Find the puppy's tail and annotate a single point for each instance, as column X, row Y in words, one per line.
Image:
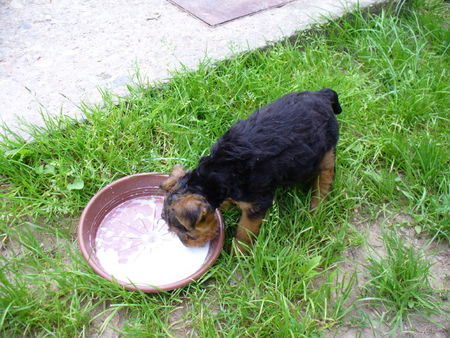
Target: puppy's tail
column 333, row 97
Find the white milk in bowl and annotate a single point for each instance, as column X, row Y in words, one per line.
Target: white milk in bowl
column 134, row 245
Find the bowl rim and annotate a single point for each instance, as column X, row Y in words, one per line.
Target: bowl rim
column 82, row 224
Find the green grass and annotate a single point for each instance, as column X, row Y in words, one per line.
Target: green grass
column 400, row 280
column 390, row 70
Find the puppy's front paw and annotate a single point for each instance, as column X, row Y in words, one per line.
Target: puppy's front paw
column 314, row 203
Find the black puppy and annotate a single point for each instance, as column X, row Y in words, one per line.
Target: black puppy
column 289, row 141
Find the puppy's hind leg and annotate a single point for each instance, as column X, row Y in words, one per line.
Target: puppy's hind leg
column 324, row 180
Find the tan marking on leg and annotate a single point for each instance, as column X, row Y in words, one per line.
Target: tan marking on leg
column 324, row 180
column 248, row 227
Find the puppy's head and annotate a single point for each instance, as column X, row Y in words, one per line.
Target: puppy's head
column 187, row 214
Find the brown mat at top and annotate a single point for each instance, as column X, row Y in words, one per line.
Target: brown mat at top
column 215, row 12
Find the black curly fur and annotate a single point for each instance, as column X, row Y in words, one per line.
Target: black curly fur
column 281, row 143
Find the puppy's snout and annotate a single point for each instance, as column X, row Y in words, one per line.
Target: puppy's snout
column 194, row 242
column 164, row 214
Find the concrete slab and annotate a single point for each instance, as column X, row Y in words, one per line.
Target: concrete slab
column 54, row 54
column 215, row 12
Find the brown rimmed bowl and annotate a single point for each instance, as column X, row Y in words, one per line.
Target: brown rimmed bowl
column 114, row 194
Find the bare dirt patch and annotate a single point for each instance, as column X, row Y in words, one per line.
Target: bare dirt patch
column 367, row 321
column 182, row 318
column 179, row 323
column 108, row 322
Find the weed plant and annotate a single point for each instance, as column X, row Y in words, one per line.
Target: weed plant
column 400, row 281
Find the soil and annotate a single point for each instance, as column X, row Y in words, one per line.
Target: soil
column 355, row 259
column 104, row 325
column 180, row 326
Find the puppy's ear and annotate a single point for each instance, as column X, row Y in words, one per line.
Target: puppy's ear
column 177, row 173
column 192, row 210
column 333, row 97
